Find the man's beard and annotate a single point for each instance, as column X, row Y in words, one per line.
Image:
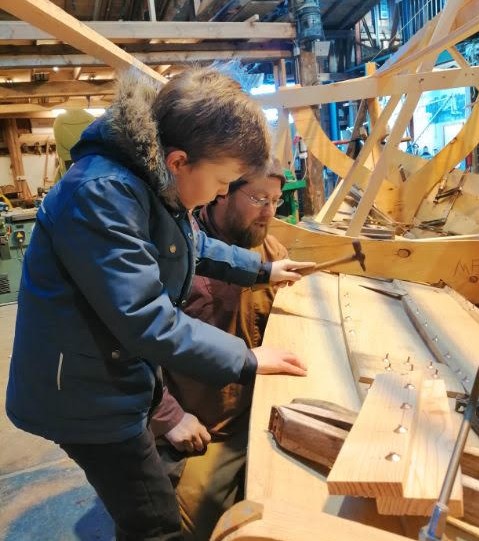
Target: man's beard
column 246, row 237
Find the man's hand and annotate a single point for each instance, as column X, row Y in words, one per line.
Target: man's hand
column 283, row 271
column 278, row 361
column 189, row 435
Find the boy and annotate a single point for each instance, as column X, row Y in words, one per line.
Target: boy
column 109, row 267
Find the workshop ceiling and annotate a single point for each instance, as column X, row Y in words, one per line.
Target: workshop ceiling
column 50, row 69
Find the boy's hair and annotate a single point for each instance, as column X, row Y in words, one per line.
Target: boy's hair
column 208, row 115
column 273, row 170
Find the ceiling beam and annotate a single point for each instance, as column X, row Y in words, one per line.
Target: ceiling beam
column 128, row 30
column 59, row 24
column 154, row 58
column 56, row 89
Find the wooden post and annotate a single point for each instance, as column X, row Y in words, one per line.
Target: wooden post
column 282, row 143
column 10, row 135
column 314, row 194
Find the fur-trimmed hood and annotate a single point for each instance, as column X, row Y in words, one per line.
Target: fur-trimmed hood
column 128, row 133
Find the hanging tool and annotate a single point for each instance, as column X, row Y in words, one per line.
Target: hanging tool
column 357, row 256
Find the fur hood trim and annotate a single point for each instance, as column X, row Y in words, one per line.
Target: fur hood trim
column 134, row 132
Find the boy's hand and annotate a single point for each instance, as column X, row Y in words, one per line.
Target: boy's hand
column 189, row 435
column 278, row 361
column 284, row 271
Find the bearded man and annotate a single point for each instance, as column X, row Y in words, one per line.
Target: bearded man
column 201, row 429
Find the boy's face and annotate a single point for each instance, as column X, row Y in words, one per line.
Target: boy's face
column 201, row 182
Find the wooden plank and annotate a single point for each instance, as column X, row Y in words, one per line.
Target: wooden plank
column 397, row 348
column 49, row 17
column 282, row 520
column 282, row 143
column 451, row 260
column 302, row 315
column 306, row 314
column 292, row 437
column 54, row 89
column 470, row 462
column 120, row 31
column 433, row 443
column 161, row 57
column 312, row 303
column 324, row 411
column 453, row 345
column 320, row 144
column 421, row 182
column 369, row 87
column 379, row 173
column 373, row 467
column 414, row 44
column 461, row 33
column 340, row 192
column 471, row 499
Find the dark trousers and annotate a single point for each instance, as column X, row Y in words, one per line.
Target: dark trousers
column 131, row 480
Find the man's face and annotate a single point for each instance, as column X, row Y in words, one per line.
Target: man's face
column 246, row 223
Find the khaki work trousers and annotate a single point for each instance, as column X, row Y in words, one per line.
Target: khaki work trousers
column 209, row 484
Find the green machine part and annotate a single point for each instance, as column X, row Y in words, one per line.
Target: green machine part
column 290, row 195
column 15, row 232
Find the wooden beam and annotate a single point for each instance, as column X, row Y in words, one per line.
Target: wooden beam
column 120, row 31
column 35, row 110
column 371, row 87
column 432, row 447
column 362, row 467
column 50, row 18
column 155, row 58
column 341, row 191
column 452, row 260
column 53, row 89
column 423, row 180
column 421, row 437
column 432, row 51
column 280, row 520
column 399, row 348
column 408, row 107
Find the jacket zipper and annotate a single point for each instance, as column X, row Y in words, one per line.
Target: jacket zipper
column 59, row 372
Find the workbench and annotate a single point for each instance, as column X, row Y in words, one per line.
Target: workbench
column 308, row 319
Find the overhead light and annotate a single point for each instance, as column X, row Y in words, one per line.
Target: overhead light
column 55, row 68
column 95, row 111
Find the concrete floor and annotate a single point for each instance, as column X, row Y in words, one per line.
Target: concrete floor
column 44, row 496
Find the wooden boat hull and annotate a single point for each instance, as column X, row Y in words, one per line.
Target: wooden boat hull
column 453, row 261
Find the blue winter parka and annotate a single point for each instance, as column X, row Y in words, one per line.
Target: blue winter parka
column 109, row 266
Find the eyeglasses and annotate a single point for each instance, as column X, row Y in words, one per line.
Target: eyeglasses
column 263, row 201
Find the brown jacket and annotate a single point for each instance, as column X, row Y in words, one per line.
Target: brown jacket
column 234, row 309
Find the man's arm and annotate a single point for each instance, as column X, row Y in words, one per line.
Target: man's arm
column 183, row 430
